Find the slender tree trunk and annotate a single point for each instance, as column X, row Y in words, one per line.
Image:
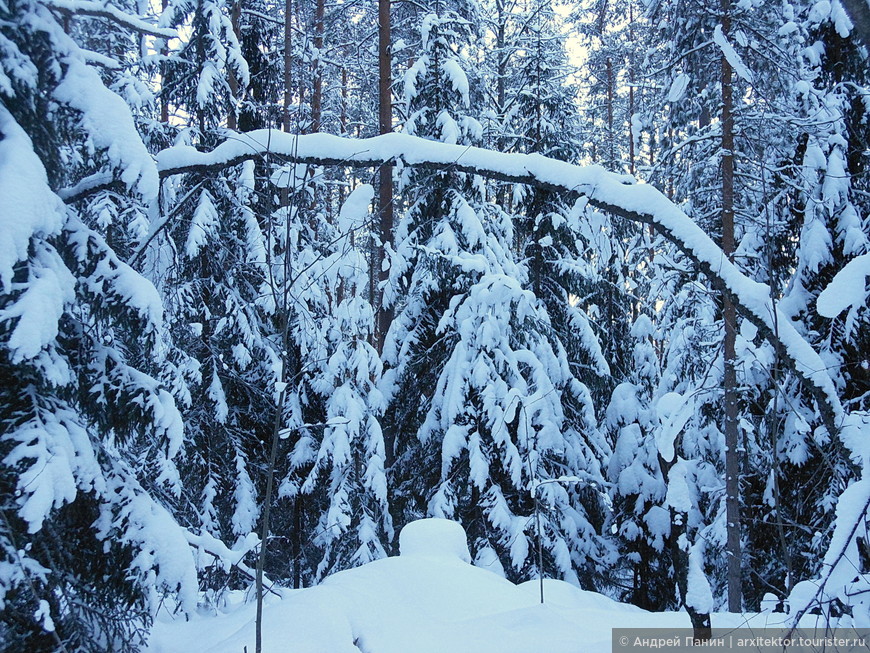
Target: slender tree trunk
column 298, row 508
column 235, row 15
column 164, row 51
column 200, row 62
column 385, row 192
column 288, row 59
column 317, row 106
column 501, row 192
column 343, row 115
column 669, row 183
column 284, row 193
column 732, row 458
column 602, row 18
column 317, row 92
column 611, row 134
column 775, row 422
column 776, row 473
column 500, row 43
column 264, row 529
column 539, row 115
column 631, row 166
column 385, row 176
column 301, row 88
column 344, row 191
column 276, row 426
column 270, row 470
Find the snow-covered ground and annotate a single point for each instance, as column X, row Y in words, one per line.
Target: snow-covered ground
column 428, row 599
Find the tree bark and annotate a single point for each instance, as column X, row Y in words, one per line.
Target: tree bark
column 267, row 505
column 631, row 166
column 729, row 314
column 301, row 87
column 164, row 52
column 385, row 176
column 611, row 133
column 501, row 192
column 343, row 112
column 385, row 196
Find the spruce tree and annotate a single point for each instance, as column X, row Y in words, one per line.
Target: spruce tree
column 89, row 434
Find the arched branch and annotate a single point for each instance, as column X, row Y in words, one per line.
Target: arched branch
column 617, row 194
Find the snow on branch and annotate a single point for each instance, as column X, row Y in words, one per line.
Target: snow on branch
column 100, row 10
column 617, row 194
column 860, row 19
column 731, row 55
column 227, row 557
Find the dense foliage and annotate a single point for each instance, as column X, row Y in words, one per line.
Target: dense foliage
column 552, row 377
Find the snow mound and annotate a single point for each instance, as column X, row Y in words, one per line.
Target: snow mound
column 434, row 537
column 427, row 600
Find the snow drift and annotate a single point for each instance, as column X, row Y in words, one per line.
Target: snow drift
column 429, row 599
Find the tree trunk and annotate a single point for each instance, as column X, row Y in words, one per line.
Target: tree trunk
column 235, row 15
column 729, row 314
column 264, row 529
column 317, row 92
column 288, row 58
column 164, row 51
column 343, row 112
column 631, row 83
column 501, row 192
column 631, row 166
column 296, row 551
column 611, row 135
column 301, row 88
column 385, row 193
column 284, row 193
column 385, row 176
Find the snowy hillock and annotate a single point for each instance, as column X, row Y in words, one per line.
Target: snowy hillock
column 428, row 599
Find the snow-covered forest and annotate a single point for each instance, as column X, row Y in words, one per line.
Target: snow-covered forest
column 279, row 277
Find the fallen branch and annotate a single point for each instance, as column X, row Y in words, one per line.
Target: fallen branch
column 619, row 195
